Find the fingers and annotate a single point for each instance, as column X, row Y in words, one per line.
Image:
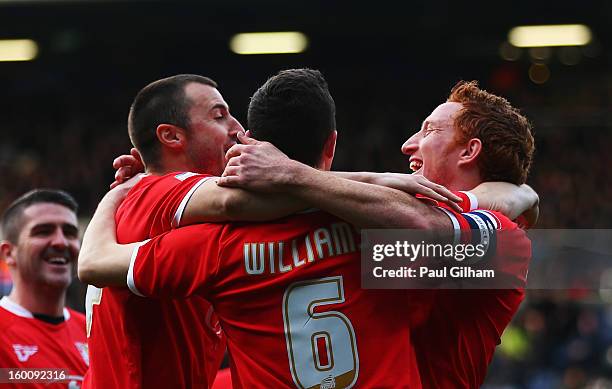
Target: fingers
column 234, row 161
column 124, row 160
column 231, row 171
column 228, row 181
column 431, row 193
column 235, row 151
column 245, row 138
column 440, row 189
column 454, row 206
column 136, row 154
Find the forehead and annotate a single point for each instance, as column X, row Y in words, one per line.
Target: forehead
column 203, row 96
column 444, row 113
column 47, row 213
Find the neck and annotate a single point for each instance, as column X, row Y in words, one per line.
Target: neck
column 46, row 300
column 168, row 167
column 463, row 180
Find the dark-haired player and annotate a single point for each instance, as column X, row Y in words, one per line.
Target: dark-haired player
column 473, row 137
column 40, row 247
column 302, row 320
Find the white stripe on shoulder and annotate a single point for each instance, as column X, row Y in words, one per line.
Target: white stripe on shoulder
column 473, row 199
column 18, row 310
column 15, row 308
column 184, row 176
column 456, row 226
column 176, row 221
column 130, row 276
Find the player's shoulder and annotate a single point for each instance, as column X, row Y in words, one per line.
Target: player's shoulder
column 174, row 178
column 7, row 319
column 77, row 322
column 75, row 316
column 157, row 182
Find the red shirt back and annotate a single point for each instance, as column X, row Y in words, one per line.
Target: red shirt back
column 26, row 342
column 152, row 343
column 289, row 299
column 456, row 341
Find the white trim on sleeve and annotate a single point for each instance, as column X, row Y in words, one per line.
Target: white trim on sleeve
column 473, row 199
column 456, row 226
column 130, row 276
column 176, row 221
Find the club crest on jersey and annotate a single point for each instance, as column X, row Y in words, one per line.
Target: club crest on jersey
column 83, row 350
column 328, row 383
column 24, row 352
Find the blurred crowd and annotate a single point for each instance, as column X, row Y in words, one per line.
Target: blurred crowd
column 558, row 339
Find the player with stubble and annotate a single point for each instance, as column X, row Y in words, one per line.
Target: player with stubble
column 37, row 331
column 414, row 213
column 181, row 128
column 474, row 136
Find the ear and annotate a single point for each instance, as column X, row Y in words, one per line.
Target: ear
column 329, row 150
column 7, row 252
column 471, row 152
column 171, row 136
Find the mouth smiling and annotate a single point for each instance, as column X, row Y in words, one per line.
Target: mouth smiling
column 415, row 164
column 57, row 260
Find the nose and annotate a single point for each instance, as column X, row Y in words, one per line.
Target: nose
column 411, row 145
column 59, row 240
column 235, row 127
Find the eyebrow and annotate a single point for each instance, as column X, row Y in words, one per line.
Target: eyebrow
column 220, row 106
column 52, row 225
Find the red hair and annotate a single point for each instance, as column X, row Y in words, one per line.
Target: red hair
column 506, row 135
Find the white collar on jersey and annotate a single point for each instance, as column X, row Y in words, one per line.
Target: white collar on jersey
column 18, row 310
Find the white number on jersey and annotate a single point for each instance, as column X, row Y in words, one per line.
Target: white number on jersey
column 322, row 346
column 93, row 297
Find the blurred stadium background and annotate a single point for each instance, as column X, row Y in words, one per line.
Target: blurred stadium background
column 63, row 114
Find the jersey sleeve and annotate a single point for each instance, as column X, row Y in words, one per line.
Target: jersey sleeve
column 187, row 184
column 156, row 205
column 177, row 264
column 508, row 247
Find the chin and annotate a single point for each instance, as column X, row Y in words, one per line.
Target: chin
column 58, row 282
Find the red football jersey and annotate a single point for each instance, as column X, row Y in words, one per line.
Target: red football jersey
column 455, row 342
column 223, row 380
column 152, row 343
column 289, row 300
column 26, row 342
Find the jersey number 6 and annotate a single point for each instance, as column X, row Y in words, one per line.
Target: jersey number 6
column 321, row 346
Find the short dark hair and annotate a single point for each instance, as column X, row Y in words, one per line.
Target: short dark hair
column 506, row 135
column 294, row 104
column 12, row 216
column 161, row 102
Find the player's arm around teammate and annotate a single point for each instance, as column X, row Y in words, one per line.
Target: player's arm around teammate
column 260, row 166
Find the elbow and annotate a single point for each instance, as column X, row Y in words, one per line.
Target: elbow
column 232, row 205
column 87, row 272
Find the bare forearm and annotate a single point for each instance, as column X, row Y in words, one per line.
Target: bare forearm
column 212, row 203
column 103, row 262
column 365, row 177
column 364, row 205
